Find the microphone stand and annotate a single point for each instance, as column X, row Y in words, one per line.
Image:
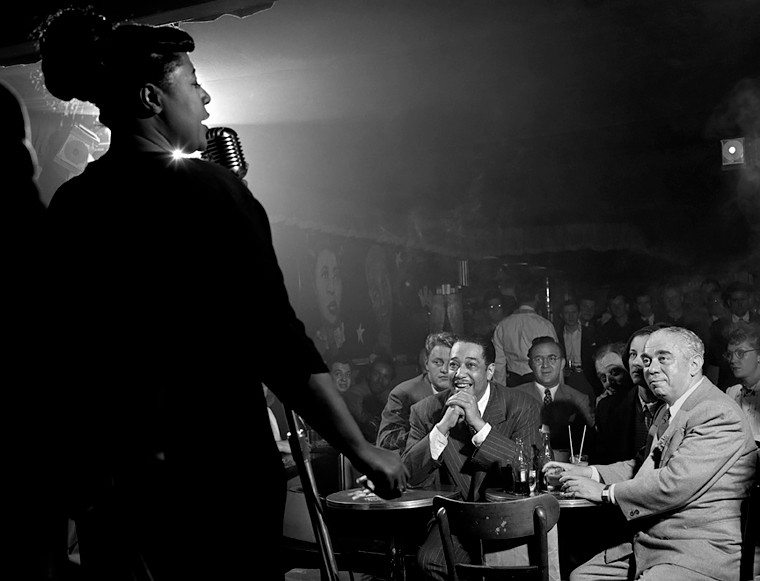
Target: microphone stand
column 299, row 447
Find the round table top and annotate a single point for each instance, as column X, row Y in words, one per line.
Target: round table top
column 498, row 494
column 363, row 499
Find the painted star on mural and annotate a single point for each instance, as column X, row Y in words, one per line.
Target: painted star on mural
column 360, row 333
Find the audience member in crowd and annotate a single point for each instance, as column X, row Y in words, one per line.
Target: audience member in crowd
column 623, row 419
column 493, row 308
column 514, row 335
column 588, row 317
column 737, row 296
column 394, row 425
column 561, row 405
column 460, row 435
column 677, row 315
column 282, row 443
column 743, row 355
column 682, row 496
column 380, row 373
column 621, row 325
column 713, row 297
column 611, row 370
column 352, row 392
column 644, row 307
column 577, row 344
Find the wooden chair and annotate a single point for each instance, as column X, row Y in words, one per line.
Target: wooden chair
column 750, row 532
column 525, row 521
column 328, row 554
column 322, row 554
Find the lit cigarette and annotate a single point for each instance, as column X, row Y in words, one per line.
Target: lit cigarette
column 366, row 483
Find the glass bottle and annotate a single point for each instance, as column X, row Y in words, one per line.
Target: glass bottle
column 522, row 467
column 547, row 455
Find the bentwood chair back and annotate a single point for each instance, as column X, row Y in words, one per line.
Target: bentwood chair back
column 300, row 449
column 525, row 521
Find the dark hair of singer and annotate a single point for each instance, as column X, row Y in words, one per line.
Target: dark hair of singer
column 111, row 59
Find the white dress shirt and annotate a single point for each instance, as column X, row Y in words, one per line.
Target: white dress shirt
column 573, row 345
column 749, row 400
column 438, row 441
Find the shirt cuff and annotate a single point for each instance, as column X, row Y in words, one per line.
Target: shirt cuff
column 438, row 442
column 595, row 474
column 481, row 436
column 612, row 494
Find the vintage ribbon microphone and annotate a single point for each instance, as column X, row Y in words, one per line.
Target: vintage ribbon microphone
column 223, row 147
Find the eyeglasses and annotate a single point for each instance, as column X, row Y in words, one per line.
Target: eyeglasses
column 539, row 360
column 494, row 307
column 740, row 353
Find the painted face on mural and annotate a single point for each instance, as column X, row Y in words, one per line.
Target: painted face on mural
column 379, row 285
column 329, row 287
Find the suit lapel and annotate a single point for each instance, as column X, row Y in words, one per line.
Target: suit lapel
column 561, row 394
column 420, row 390
column 673, row 436
column 496, row 409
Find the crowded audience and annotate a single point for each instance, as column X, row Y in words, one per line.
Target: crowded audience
column 648, row 371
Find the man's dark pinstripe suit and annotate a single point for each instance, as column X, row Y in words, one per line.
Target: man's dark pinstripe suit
column 512, row 414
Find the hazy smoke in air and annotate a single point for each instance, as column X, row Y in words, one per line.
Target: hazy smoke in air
column 739, row 116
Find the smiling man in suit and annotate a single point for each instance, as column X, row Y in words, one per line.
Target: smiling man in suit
column 682, row 495
column 465, row 433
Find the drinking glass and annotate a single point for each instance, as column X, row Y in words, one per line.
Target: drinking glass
column 551, row 478
column 580, row 460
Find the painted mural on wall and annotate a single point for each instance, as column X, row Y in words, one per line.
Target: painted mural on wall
column 357, row 298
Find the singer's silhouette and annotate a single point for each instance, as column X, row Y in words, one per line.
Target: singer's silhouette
column 162, row 266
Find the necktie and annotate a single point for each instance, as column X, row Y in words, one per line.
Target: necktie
column 664, row 425
column 647, row 417
column 547, row 398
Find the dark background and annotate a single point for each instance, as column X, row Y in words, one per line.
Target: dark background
column 581, row 136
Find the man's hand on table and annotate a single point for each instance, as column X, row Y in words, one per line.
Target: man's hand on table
column 581, row 487
column 576, row 480
column 567, row 468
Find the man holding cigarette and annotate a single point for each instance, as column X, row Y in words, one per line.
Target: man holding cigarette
column 681, row 496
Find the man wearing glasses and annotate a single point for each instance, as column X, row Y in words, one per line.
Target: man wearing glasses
column 561, row 405
column 743, row 355
column 738, row 300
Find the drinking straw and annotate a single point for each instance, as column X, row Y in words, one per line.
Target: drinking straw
column 580, row 452
column 569, row 431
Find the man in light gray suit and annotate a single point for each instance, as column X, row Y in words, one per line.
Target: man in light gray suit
column 682, row 495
